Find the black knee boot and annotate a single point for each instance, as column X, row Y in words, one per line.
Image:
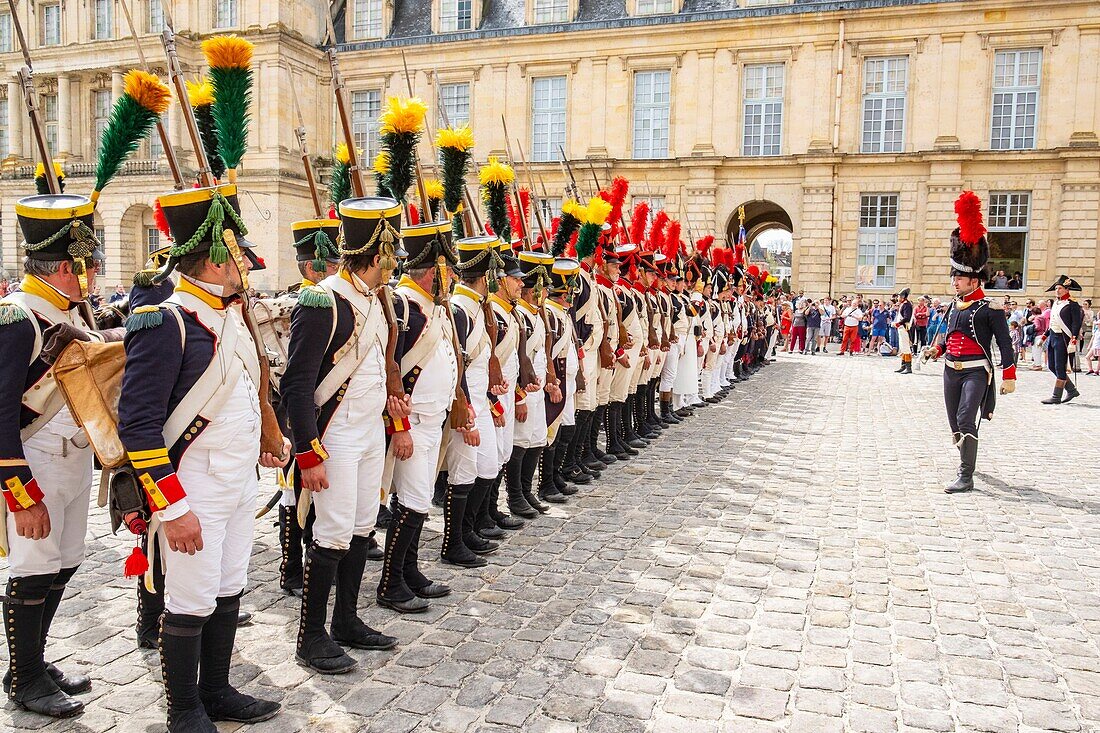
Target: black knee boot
column 70, row 684
column 479, row 539
column 651, row 407
column 573, row 470
column 440, row 492
column 513, row 477
column 347, row 628
column 316, row 649
column 601, row 422
column 150, row 606
column 290, row 540
column 417, row 582
column 180, row 651
column 31, row 687
column 548, row 490
column 490, row 514
column 221, row 700
column 630, row 423
column 393, row 592
column 532, row 460
column 589, row 432
column 562, row 455
column 454, row 551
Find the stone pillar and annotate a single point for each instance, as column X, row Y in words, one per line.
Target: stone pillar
column 116, row 85
column 704, row 102
column 948, row 91
column 64, row 118
column 597, row 131
column 15, row 119
column 1084, row 108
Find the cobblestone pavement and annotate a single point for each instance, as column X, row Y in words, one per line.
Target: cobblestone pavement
column 785, row 561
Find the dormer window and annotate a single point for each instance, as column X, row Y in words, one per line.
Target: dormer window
column 366, row 19
column 655, row 7
column 456, row 15
column 551, row 11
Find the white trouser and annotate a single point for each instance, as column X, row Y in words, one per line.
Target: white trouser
column 414, row 479
column 624, row 380
column 531, row 433
column 590, row 367
column 604, row 378
column 569, row 411
column 771, row 342
column 905, row 344
column 506, row 434
column 356, row 445
column 687, row 373
column 467, row 463
column 668, row 371
column 218, row 472
column 64, row 474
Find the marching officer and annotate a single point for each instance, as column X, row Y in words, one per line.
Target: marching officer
column 189, row 418
column 45, row 458
column 974, row 329
column 334, row 393
column 1066, row 316
column 904, row 323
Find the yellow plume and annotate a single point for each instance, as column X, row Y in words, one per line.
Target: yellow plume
column 574, row 209
column 342, row 155
column 434, row 188
column 382, row 163
column 460, row 138
column 227, row 52
column 40, row 170
column 200, row 93
column 147, row 90
column 597, row 212
column 402, row 116
column 496, row 172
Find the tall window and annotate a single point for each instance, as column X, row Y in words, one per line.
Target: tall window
column 152, row 241
column 549, row 208
column 225, row 14
column 885, row 82
column 651, row 105
column 656, row 203
column 49, row 115
column 1015, row 98
column 5, row 32
column 878, row 240
column 366, row 19
column 1009, row 218
column 51, row 24
column 456, row 100
column 547, row 117
column 366, row 106
column 154, row 18
column 101, row 235
column 551, row 11
column 763, row 132
column 155, row 148
column 3, row 128
column 104, row 19
column 101, row 104
column 456, row 15
column 653, row 7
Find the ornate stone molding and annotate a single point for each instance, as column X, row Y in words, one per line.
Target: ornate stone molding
column 1020, row 38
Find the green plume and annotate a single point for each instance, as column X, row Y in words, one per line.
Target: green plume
column 232, row 96
column 204, row 118
column 339, row 186
column 496, row 196
column 130, row 123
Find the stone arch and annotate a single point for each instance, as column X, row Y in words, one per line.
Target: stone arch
column 760, row 216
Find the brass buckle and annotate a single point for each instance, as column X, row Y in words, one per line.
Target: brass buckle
column 958, row 365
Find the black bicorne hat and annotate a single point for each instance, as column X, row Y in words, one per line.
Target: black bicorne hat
column 372, row 225
column 1066, row 282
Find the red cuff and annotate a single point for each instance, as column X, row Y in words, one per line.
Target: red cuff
column 619, row 352
column 521, row 394
column 20, row 496
column 580, row 352
column 496, row 408
column 1009, row 373
column 396, row 426
column 164, row 493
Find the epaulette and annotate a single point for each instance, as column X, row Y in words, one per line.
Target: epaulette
column 314, row 297
column 146, row 316
column 11, row 313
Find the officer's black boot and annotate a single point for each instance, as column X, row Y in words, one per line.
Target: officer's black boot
column 31, row 687
column 417, row 582
column 667, row 413
column 968, row 458
column 547, row 489
column 532, row 460
column 347, row 628
column 573, row 470
column 652, row 418
column 628, row 439
column 440, row 491
column 613, row 430
column 180, row 650
column 473, row 539
column 453, row 550
column 1054, row 399
column 513, row 477
column 393, row 592
column 603, row 417
column 290, row 540
column 646, row 429
column 490, row 509
column 1071, row 391
column 563, row 448
column 221, row 700
column 316, row 649
column 589, row 433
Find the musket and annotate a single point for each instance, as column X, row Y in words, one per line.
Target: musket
column 394, row 384
column 300, row 135
column 162, row 131
column 26, row 80
column 622, row 216
column 569, row 173
column 271, row 435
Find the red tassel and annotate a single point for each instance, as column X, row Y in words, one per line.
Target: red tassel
column 332, row 212
column 414, row 215
column 160, row 220
column 136, row 564
column 968, row 209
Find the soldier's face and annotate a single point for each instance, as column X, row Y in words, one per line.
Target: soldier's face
column 964, row 285
column 510, row 287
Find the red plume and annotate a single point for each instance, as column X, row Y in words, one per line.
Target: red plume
column 657, row 232
column 968, row 209
column 513, row 222
column 525, row 205
column 160, row 220
column 672, row 239
column 571, row 248
column 703, row 246
column 489, row 228
column 637, row 224
column 619, row 189
column 554, row 223
column 753, row 271
column 332, row 213
column 739, row 255
column 414, row 215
